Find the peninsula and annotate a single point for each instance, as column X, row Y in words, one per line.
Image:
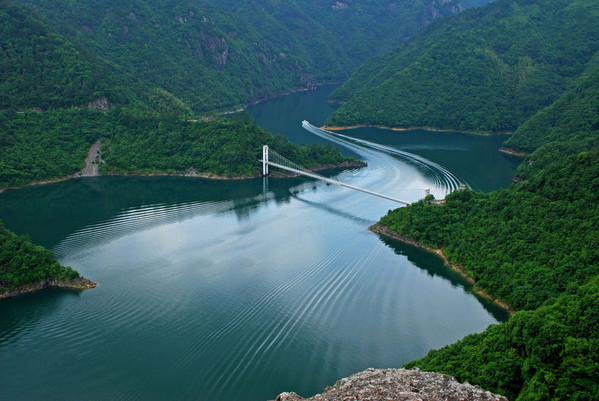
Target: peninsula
column 25, row 268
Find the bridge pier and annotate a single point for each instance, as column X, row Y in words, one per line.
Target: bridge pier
column 265, row 160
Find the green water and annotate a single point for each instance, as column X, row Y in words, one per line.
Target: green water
column 236, row 290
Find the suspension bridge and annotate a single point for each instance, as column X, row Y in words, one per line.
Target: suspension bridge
column 272, row 158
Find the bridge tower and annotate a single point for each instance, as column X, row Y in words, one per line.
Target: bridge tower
column 265, row 160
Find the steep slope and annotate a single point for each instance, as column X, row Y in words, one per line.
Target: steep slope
column 573, row 117
column 529, row 245
column 568, row 126
column 219, row 55
column 551, row 353
column 192, row 50
column 524, row 245
column 354, row 30
column 487, row 69
column 41, row 69
column 535, row 246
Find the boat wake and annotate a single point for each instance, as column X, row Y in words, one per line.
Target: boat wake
column 442, row 177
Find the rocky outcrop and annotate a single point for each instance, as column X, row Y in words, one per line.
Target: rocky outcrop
column 339, row 6
column 398, row 385
column 439, row 8
column 78, row 283
column 100, row 103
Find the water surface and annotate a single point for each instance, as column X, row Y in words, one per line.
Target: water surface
column 229, row 290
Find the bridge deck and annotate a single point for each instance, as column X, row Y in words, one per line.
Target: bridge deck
column 331, row 181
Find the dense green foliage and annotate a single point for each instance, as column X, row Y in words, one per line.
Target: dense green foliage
column 317, row 30
column 568, row 126
column 218, row 55
column 487, row 69
column 39, row 68
column 574, row 117
column 525, row 245
column 22, row 262
column 39, row 146
column 551, row 353
column 142, row 144
column 534, row 246
column 529, row 245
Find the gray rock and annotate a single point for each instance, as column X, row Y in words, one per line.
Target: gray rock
column 398, row 385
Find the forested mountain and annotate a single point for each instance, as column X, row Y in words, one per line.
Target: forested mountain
column 568, row 126
column 192, row 51
column 213, row 56
column 534, row 246
column 336, row 36
column 50, row 84
column 487, row 69
column 39, row 68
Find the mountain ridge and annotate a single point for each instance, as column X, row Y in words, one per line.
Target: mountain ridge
column 486, row 69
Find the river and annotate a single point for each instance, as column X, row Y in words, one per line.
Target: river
column 239, row 290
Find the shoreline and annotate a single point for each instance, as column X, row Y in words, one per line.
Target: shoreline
column 387, row 232
column 76, row 284
column 274, row 96
column 42, row 182
column 193, row 173
column 512, row 152
column 349, row 127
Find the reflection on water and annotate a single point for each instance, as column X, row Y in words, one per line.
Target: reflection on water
column 20, row 314
column 473, row 158
column 434, row 266
column 88, row 202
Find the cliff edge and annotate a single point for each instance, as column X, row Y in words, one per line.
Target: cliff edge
column 398, row 385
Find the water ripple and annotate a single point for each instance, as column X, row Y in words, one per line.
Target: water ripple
column 441, row 177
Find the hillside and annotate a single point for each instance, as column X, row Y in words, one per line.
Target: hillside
column 212, row 58
column 568, row 126
column 53, row 145
column 526, row 244
column 535, row 247
column 551, row 353
column 314, row 26
column 53, row 89
column 487, row 69
column 41, row 69
column 148, row 144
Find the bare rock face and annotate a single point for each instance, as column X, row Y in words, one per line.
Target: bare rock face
column 100, row 103
column 398, row 385
column 439, row 8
